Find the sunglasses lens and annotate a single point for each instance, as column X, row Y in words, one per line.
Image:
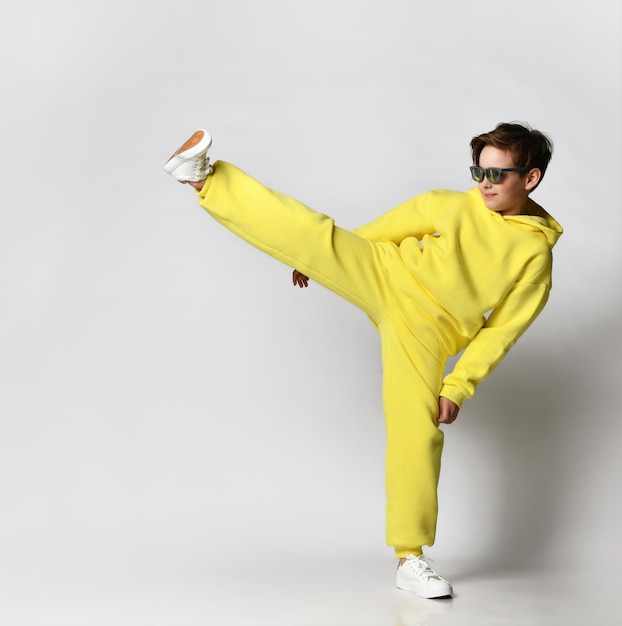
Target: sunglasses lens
column 493, row 174
column 477, row 173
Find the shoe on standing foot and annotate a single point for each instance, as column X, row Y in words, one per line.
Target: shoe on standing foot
column 190, row 162
column 416, row 575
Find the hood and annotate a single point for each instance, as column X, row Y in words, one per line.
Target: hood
column 540, row 220
column 537, row 219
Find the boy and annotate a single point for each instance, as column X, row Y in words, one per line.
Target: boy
column 443, row 272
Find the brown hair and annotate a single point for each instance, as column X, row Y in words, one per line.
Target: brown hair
column 528, row 147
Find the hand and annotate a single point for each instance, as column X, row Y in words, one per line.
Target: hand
column 447, row 410
column 300, row 279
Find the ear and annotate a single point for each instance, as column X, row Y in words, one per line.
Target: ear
column 533, row 178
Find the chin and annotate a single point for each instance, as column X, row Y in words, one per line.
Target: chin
column 494, row 205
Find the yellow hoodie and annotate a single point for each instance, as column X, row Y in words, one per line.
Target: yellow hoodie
column 484, row 277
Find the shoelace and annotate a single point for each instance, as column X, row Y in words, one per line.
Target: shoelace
column 421, row 566
column 201, row 167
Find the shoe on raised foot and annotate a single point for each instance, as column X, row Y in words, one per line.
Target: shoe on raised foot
column 416, row 575
column 190, row 162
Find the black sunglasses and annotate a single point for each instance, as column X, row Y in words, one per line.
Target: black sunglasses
column 493, row 174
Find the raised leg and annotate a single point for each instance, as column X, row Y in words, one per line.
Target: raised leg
column 302, row 238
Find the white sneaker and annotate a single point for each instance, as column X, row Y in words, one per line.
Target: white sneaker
column 190, row 162
column 417, row 576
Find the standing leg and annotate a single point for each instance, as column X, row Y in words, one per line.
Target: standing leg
column 412, row 382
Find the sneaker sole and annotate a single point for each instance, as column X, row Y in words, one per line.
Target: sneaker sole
column 447, row 592
column 199, row 141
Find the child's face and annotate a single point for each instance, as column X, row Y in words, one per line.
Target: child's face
column 509, row 196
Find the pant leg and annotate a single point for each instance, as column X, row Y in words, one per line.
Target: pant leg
column 299, row 237
column 355, row 269
column 412, row 382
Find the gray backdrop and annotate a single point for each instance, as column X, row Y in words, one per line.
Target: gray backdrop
column 168, row 400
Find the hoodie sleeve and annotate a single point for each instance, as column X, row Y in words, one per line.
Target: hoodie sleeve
column 508, row 321
column 409, row 219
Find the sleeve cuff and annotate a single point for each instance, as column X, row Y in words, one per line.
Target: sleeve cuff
column 449, row 391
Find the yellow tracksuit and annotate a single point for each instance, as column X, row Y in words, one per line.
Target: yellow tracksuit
column 438, row 274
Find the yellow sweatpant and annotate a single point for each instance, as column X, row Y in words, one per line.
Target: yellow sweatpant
column 359, row 271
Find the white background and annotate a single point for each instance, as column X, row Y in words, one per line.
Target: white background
column 169, row 403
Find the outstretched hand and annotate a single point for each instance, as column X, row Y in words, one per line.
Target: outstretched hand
column 298, row 278
column 447, row 411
